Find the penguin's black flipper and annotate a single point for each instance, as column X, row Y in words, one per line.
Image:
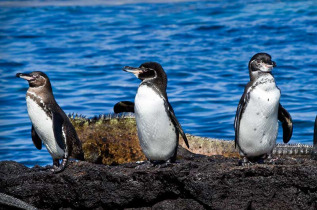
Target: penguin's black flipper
column 61, row 167
column 240, row 109
column 123, row 106
column 287, row 123
column 73, row 144
column 58, row 129
column 36, row 139
column 175, row 121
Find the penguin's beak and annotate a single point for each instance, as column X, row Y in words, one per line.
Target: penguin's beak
column 273, row 64
column 27, row 77
column 133, row 70
column 267, row 67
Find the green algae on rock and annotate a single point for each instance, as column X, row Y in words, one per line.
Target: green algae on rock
column 109, row 140
column 211, row 146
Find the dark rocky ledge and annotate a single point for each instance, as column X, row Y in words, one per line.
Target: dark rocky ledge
column 196, row 182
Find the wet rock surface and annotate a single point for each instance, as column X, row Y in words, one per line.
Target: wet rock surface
column 195, row 182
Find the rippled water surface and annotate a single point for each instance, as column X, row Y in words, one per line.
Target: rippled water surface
column 204, row 47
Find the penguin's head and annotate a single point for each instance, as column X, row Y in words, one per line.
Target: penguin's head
column 36, row 79
column 147, row 71
column 261, row 63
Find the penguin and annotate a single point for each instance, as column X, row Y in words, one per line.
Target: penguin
column 258, row 112
column 314, row 152
column 157, row 126
column 50, row 125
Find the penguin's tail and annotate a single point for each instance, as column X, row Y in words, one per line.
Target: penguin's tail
column 77, row 150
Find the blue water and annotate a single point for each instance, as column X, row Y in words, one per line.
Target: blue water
column 204, row 47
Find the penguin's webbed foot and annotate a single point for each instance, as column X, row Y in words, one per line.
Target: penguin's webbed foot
column 57, row 167
column 245, row 162
column 54, row 168
column 144, row 165
column 163, row 163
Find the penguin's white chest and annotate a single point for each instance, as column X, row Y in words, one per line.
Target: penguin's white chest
column 43, row 126
column 259, row 122
column 156, row 131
